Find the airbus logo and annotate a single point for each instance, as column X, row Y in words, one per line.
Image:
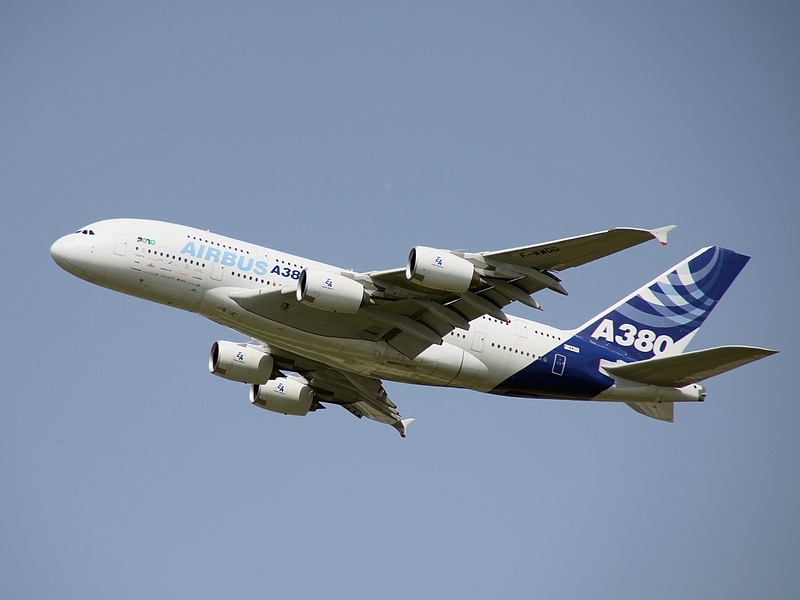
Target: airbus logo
column 227, row 258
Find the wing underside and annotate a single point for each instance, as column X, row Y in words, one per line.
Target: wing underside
column 359, row 395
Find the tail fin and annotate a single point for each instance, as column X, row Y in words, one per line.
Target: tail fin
column 661, row 317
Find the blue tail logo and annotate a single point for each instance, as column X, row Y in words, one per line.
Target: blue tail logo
column 662, row 317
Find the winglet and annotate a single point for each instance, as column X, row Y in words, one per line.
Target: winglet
column 660, row 233
column 402, row 426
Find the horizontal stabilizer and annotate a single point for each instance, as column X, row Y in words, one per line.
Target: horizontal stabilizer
column 663, row 411
column 687, row 368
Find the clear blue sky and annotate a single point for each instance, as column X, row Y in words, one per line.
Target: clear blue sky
column 348, row 133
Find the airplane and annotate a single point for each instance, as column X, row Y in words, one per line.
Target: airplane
column 321, row 335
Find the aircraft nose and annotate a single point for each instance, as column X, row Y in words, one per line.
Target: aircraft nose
column 59, row 250
column 66, row 253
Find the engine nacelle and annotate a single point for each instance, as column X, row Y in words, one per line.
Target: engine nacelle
column 440, row 270
column 240, row 362
column 330, row 291
column 283, row 395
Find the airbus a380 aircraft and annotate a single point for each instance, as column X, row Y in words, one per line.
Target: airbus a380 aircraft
column 320, row 334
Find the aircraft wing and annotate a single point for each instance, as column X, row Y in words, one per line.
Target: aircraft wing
column 361, row 396
column 410, row 316
column 505, row 276
column 575, row 251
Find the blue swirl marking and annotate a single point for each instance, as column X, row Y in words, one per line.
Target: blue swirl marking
column 673, row 306
column 686, row 295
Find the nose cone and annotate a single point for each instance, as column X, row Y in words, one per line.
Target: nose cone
column 63, row 250
column 75, row 253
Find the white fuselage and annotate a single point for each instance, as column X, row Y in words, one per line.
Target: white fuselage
column 195, row 270
column 202, row 272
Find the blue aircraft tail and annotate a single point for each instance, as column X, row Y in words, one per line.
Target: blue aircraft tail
column 661, row 317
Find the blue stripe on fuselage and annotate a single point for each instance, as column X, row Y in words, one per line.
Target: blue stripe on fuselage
column 580, row 379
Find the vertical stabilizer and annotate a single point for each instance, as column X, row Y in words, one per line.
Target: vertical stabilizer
column 661, row 317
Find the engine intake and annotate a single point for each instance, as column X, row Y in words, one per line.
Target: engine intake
column 440, row 270
column 283, row 395
column 330, row 291
column 240, row 362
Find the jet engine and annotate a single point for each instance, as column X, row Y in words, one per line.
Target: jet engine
column 330, row 291
column 240, row 362
column 283, row 395
column 440, row 270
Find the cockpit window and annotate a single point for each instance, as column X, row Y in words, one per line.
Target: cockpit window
column 85, row 231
